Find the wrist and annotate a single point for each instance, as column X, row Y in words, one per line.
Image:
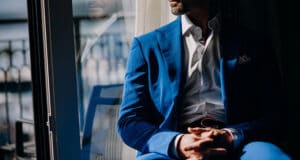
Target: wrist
column 237, row 137
column 180, row 154
column 228, row 139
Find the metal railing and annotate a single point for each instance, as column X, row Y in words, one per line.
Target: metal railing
column 15, row 84
column 104, row 64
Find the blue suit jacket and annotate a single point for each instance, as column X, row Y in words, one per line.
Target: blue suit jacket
column 154, row 79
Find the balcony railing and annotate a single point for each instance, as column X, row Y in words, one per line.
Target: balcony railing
column 15, row 85
column 104, row 63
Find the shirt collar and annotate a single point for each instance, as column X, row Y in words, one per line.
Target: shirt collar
column 186, row 24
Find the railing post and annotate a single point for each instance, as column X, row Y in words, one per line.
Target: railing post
column 19, row 139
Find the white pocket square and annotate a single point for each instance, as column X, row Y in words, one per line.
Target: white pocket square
column 244, row 59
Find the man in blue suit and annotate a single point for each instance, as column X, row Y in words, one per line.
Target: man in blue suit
column 202, row 87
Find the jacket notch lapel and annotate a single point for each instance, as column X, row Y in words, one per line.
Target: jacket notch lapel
column 170, row 43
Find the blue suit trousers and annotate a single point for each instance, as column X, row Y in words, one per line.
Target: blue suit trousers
column 251, row 151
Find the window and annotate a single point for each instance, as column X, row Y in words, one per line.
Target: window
column 16, row 106
column 103, row 33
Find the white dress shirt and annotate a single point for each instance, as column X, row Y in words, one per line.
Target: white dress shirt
column 202, row 89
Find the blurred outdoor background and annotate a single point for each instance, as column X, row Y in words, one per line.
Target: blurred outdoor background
column 103, row 30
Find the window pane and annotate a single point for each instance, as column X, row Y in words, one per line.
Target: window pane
column 103, row 32
column 16, row 107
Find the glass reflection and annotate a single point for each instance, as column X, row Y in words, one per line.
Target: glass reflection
column 103, row 31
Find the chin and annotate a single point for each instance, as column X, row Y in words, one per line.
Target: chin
column 178, row 10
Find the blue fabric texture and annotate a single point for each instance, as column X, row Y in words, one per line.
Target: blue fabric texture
column 263, row 151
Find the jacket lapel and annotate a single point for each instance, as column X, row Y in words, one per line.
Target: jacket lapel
column 170, row 43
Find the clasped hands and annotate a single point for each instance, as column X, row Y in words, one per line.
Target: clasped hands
column 204, row 142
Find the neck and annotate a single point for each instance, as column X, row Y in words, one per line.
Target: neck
column 199, row 17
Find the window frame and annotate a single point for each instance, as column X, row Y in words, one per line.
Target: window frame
column 54, row 79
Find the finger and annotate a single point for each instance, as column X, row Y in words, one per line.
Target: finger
column 195, row 158
column 203, row 133
column 216, row 152
column 209, row 134
column 199, row 145
column 198, row 129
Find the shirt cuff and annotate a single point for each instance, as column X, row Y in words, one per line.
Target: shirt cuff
column 174, row 150
column 237, row 136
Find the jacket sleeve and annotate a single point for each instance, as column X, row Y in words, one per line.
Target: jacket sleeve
column 139, row 121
